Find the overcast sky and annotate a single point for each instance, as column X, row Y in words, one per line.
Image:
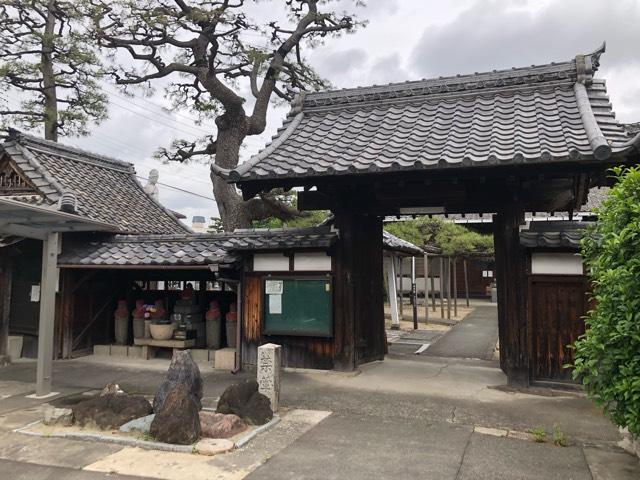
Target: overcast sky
column 405, row 40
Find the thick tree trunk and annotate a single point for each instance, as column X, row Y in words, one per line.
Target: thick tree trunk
column 232, row 129
column 48, row 77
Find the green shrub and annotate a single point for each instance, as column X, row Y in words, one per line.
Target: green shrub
column 607, row 356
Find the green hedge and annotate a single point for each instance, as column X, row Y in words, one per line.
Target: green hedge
column 608, row 354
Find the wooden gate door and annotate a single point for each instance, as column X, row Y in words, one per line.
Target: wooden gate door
column 557, row 304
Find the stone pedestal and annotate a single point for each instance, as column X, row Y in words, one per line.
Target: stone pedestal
column 269, row 368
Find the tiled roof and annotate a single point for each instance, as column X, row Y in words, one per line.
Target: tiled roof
column 106, row 189
column 553, row 235
column 539, row 114
column 395, row 244
column 191, row 249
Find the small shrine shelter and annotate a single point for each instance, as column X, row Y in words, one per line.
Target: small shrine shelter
column 504, row 142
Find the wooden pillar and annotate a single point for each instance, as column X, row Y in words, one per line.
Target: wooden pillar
column 433, row 293
column 455, row 286
column 466, row 281
column 441, row 287
column 47, row 314
column 5, row 304
column 448, row 268
column 393, row 294
column 512, row 295
column 359, row 333
column 414, row 293
column 401, row 288
column 426, row 288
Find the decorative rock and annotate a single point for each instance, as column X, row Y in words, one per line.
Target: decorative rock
column 183, row 370
column 269, row 368
column 142, row 424
column 111, row 411
column 244, row 400
column 58, row 416
column 213, row 446
column 219, row 425
column 111, row 389
column 177, row 421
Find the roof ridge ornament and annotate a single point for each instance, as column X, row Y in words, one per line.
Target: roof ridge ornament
column 587, row 65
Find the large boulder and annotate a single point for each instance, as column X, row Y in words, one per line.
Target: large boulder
column 183, row 370
column 220, row 425
column 244, row 400
column 177, row 421
column 111, row 411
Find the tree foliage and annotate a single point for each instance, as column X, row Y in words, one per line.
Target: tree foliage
column 451, row 238
column 607, row 356
column 48, row 62
column 201, row 49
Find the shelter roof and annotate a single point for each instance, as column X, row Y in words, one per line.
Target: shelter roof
column 395, row 244
column 106, row 189
column 190, row 250
column 553, row 113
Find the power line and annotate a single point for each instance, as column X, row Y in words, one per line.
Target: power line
column 179, row 189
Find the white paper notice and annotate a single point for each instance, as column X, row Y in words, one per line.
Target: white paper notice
column 275, row 304
column 35, row 293
column 273, row 287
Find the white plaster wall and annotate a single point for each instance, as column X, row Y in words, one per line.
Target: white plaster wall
column 270, row 262
column 556, row 264
column 312, row 262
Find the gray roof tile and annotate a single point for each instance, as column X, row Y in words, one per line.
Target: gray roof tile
column 106, row 189
column 531, row 114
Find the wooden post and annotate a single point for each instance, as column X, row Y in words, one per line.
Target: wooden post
column 47, row 314
column 448, row 267
column 426, row 288
column 512, row 294
column 414, row 293
column 441, row 287
column 401, row 289
column 433, row 293
column 455, row 286
column 5, row 305
column 393, row 294
column 466, row 281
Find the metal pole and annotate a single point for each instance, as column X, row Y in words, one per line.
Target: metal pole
column 393, row 294
column 466, row 281
column 47, row 314
column 414, row 293
column 448, row 288
column 426, row 288
column 441, row 286
column 455, row 286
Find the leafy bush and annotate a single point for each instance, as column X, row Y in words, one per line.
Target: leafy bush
column 608, row 355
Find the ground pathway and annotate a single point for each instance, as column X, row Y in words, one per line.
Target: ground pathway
column 474, row 337
column 409, row 417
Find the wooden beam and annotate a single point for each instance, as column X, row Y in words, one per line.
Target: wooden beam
column 5, row 304
column 426, row 288
column 392, row 292
column 466, row 281
column 455, row 286
column 414, row 293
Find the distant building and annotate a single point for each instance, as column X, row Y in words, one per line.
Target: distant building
column 199, row 224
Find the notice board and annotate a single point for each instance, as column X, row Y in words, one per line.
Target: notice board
column 298, row 306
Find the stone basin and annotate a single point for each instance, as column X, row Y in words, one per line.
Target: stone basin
column 162, row 331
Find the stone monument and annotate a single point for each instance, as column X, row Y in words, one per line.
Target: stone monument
column 151, row 188
column 138, row 319
column 214, row 327
column 231, row 325
column 269, row 366
column 121, row 321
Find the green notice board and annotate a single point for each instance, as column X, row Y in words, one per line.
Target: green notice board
column 298, row 306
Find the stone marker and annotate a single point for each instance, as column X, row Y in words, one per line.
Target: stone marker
column 269, row 366
column 58, row 416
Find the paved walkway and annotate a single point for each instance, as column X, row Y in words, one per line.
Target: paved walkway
column 410, row 417
column 474, row 337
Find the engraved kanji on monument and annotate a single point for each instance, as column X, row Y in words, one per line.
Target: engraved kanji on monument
column 269, row 365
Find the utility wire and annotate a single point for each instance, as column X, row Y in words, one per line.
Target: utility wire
column 179, row 189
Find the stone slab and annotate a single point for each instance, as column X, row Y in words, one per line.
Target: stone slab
column 134, row 351
column 150, row 342
column 213, row 446
column 496, row 432
column 606, row 463
column 103, row 350
column 200, row 355
column 118, row 350
column 225, row 359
